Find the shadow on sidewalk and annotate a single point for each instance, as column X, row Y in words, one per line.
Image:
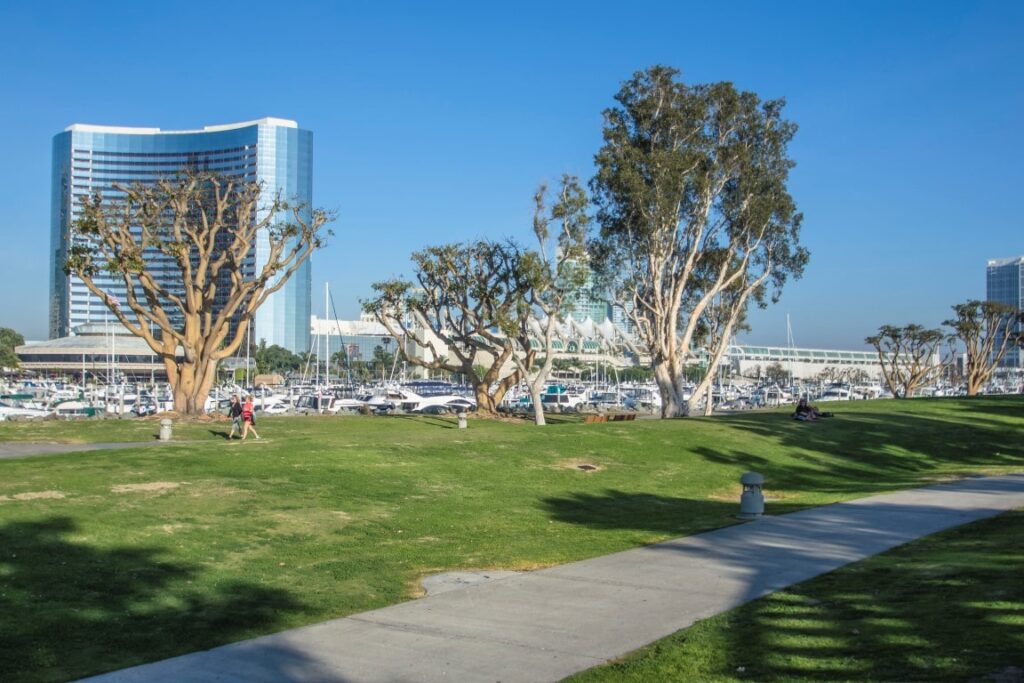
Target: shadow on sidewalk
column 70, row 608
column 944, row 610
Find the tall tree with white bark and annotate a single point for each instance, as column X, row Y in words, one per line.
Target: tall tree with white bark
column 204, row 228
column 554, row 272
column 692, row 200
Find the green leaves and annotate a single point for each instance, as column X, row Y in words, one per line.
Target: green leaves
column 8, row 340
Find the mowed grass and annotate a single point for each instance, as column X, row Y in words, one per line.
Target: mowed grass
column 949, row 607
column 113, row 558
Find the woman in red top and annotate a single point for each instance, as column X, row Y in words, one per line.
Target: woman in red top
column 248, row 419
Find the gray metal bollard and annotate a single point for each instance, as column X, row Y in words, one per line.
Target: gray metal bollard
column 462, row 420
column 165, row 429
column 752, row 499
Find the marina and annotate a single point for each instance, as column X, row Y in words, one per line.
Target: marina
column 51, row 399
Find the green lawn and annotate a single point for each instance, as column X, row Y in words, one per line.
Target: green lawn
column 949, row 607
column 112, row 558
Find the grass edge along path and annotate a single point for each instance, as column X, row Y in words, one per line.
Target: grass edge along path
column 949, row 606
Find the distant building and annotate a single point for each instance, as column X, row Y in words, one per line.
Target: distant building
column 102, row 351
column 89, row 159
column 358, row 338
column 1004, row 282
column 753, row 361
column 594, row 302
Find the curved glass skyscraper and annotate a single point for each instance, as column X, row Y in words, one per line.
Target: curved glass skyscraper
column 89, row 158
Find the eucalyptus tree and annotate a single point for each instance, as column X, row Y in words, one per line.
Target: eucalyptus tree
column 987, row 330
column 909, row 356
column 206, row 228
column 692, row 198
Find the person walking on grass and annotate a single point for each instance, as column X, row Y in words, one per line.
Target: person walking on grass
column 235, row 413
column 249, row 419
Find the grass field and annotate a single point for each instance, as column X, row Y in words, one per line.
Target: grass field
column 949, row 607
column 111, row 558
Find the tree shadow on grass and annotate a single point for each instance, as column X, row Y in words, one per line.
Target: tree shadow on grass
column 1009, row 405
column 68, row 609
column 667, row 515
column 866, row 451
column 425, row 419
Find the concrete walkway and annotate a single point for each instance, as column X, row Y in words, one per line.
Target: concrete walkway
column 547, row 624
column 9, row 451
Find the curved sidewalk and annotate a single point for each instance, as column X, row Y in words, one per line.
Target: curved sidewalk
column 547, row 624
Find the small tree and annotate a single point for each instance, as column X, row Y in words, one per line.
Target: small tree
column 8, row 340
column 205, row 227
column 340, row 360
column 464, row 296
column 908, row 356
column 987, row 330
column 776, row 373
column 275, row 358
column 383, row 361
column 551, row 275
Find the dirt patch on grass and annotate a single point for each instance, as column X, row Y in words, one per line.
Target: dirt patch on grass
column 306, row 521
column 152, row 486
column 209, row 488
column 580, row 465
column 34, row 495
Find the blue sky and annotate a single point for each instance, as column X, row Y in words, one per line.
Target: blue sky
column 435, row 122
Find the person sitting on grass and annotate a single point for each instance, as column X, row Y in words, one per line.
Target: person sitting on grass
column 805, row 411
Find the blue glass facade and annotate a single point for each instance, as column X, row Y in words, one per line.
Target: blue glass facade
column 87, row 159
column 1004, row 283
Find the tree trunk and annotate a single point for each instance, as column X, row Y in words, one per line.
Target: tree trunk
column 709, row 403
column 484, row 401
column 538, row 407
column 672, row 403
column 192, row 386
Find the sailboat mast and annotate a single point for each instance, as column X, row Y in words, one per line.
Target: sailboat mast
column 792, row 346
column 327, row 334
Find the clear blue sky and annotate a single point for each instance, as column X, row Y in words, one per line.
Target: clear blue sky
column 435, row 122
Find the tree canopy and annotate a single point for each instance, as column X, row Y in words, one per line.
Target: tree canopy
column 185, row 247
column 467, row 304
column 8, row 340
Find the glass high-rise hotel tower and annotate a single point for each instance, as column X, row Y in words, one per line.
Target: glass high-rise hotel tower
column 1004, row 282
column 87, row 158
